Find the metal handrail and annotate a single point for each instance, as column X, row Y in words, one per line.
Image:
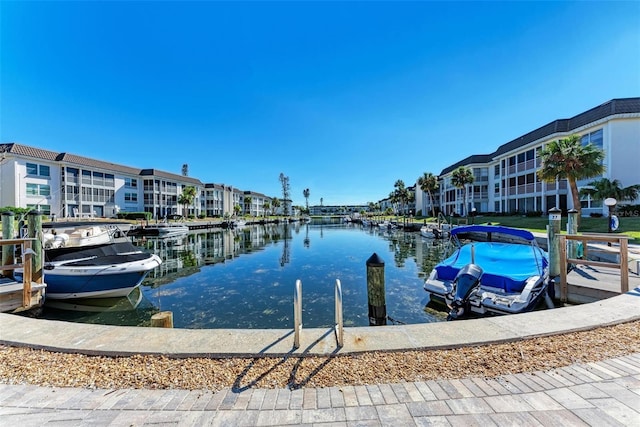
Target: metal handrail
column 338, row 318
column 297, row 313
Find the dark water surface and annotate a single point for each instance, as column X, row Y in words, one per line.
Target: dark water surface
column 245, row 278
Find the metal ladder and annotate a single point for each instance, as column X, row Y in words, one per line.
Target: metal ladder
column 338, row 326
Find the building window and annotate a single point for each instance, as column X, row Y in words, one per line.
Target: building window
column 594, row 138
column 131, row 183
column 40, row 170
column 130, row 197
column 32, row 189
column 32, row 169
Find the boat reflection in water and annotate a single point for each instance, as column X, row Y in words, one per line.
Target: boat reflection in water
column 132, row 310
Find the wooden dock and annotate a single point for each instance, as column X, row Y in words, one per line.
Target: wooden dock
column 604, row 271
column 22, row 295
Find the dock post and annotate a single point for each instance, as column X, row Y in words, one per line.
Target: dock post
column 163, row 319
column 553, row 231
column 34, row 230
column 8, row 232
column 375, row 291
column 572, row 230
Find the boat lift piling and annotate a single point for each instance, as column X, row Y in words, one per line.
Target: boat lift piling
column 34, row 231
column 375, row 291
column 8, row 232
column 553, row 231
column 572, row 229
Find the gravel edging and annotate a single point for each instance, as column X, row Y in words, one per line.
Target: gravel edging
column 19, row 365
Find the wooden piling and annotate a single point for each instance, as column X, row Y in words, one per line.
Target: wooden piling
column 375, row 291
column 34, row 231
column 8, row 233
column 164, row 319
column 572, row 229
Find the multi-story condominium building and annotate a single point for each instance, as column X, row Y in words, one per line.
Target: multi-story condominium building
column 212, row 199
column 506, row 180
column 67, row 185
column 254, row 204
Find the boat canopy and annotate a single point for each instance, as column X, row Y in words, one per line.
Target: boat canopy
column 523, row 234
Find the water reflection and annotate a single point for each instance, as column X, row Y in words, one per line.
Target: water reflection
column 244, row 278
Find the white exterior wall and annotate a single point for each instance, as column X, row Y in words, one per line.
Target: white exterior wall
column 623, row 161
column 8, row 183
column 22, row 179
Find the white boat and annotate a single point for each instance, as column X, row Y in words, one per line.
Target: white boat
column 161, row 229
column 434, row 231
column 80, row 236
column 491, row 277
column 99, row 271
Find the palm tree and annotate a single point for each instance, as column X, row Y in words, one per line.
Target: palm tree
column 401, row 194
column 275, row 203
column 265, row 207
column 247, row 203
column 306, row 194
column 187, row 197
column 604, row 188
column 428, row 183
column 569, row 159
column 460, row 178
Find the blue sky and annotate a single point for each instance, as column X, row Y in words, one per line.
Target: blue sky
column 344, row 98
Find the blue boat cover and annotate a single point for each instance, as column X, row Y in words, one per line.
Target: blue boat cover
column 506, row 266
column 524, row 234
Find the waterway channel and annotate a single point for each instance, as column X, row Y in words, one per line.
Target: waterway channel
column 245, row 278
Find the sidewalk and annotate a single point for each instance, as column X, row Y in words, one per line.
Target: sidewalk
column 605, row 393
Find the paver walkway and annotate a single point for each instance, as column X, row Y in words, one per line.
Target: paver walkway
column 605, row 393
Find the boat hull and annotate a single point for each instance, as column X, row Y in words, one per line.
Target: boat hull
column 68, row 281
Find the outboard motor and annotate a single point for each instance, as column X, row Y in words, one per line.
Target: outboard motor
column 466, row 281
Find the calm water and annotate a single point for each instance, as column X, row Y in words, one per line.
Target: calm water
column 246, row 278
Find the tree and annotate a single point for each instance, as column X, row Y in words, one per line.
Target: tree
column 429, row 184
column 569, row 159
column 236, row 209
column 460, row 178
column 284, row 181
column 187, row 197
column 401, row 194
column 306, row 193
column 247, row 204
column 604, row 188
column 266, row 206
column 275, row 203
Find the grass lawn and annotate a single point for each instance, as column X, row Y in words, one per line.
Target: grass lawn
column 629, row 226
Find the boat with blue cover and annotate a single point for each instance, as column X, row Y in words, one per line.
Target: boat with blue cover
column 491, row 277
